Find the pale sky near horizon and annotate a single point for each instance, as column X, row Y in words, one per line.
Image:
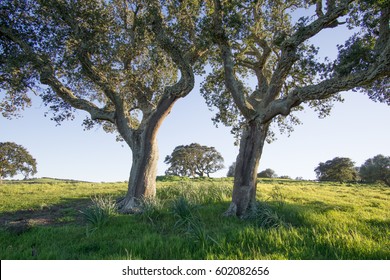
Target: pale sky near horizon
column 357, row 128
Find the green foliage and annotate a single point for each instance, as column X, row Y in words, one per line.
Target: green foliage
column 315, row 221
column 231, row 170
column 376, row 169
column 16, row 159
column 194, row 160
column 267, row 173
column 337, row 169
column 263, row 41
column 89, row 54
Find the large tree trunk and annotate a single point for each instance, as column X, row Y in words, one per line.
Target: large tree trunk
column 143, row 143
column 142, row 180
column 245, row 177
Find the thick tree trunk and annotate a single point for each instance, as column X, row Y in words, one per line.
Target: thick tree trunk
column 142, row 180
column 143, row 143
column 245, row 177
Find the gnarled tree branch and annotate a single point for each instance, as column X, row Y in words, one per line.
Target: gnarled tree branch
column 44, row 67
column 232, row 84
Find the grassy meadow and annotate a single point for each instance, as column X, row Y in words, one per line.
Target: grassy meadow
column 52, row 219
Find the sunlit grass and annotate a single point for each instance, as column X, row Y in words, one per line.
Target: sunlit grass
column 314, row 221
column 36, row 195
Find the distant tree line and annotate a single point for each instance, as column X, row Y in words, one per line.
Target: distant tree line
column 267, row 173
column 340, row 169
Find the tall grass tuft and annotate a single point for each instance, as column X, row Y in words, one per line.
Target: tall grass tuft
column 262, row 215
column 277, row 195
column 151, row 209
column 183, row 211
column 187, row 218
column 98, row 214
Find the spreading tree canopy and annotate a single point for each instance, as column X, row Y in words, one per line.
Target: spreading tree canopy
column 123, row 62
column 194, row 160
column 338, row 169
column 16, row 159
column 127, row 62
column 261, row 41
column 267, row 173
column 376, row 169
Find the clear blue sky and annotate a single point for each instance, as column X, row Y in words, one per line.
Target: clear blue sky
column 357, row 128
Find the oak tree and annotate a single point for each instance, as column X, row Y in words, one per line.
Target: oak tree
column 124, row 62
column 376, row 169
column 267, row 173
column 16, row 159
column 339, row 169
column 194, row 160
column 261, row 40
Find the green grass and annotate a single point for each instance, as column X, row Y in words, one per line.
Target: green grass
column 295, row 220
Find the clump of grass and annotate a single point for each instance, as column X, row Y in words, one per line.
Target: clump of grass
column 197, row 232
column 98, row 214
column 183, row 211
column 188, row 218
column 262, row 215
column 277, row 195
column 151, row 209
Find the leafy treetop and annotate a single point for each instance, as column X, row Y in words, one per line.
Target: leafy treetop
column 261, row 39
column 117, row 60
column 376, row 169
column 16, row 159
column 194, row 160
column 338, row 169
column 267, row 173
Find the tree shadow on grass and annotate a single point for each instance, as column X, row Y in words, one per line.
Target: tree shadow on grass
column 65, row 212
